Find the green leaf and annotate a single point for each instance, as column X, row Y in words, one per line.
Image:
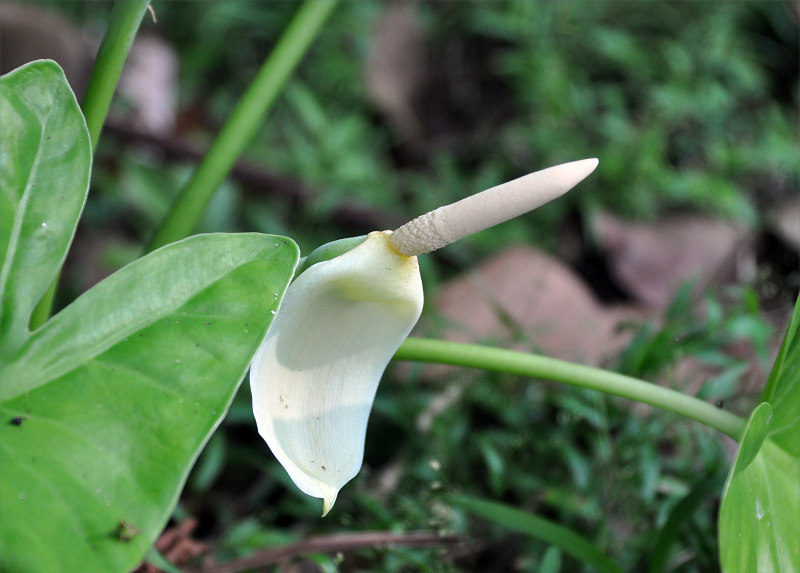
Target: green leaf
column 45, row 164
column 556, row 535
column 783, row 389
column 105, row 407
column 117, row 394
column 759, row 520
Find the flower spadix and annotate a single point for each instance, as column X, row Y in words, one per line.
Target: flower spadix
column 315, row 375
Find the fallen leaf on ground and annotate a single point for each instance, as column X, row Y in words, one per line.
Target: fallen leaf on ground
column 653, row 260
column 522, row 298
column 395, row 69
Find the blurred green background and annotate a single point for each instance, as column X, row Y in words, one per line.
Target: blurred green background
column 692, row 108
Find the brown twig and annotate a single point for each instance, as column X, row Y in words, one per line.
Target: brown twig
column 246, row 173
column 176, row 546
column 360, row 218
column 331, row 544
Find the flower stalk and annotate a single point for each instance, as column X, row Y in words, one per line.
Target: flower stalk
column 543, row 367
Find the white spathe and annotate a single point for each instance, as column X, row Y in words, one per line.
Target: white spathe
column 315, row 375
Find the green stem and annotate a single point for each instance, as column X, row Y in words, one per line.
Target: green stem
column 124, row 22
column 125, row 19
column 243, row 123
column 511, row 362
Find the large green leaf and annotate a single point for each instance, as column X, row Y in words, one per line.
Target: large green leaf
column 45, row 163
column 104, row 408
column 759, row 520
column 112, row 421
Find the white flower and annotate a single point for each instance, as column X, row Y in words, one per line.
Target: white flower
column 315, row 375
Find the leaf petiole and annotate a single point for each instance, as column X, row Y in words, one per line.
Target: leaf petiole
column 535, row 366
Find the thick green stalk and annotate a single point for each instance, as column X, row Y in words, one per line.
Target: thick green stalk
column 243, row 123
column 126, row 15
column 511, row 362
column 125, row 19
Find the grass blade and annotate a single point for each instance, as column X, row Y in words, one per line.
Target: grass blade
column 551, row 533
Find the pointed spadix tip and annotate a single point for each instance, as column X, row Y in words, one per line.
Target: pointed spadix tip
column 570, row 174
column 585, row 166
column 593, row 162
